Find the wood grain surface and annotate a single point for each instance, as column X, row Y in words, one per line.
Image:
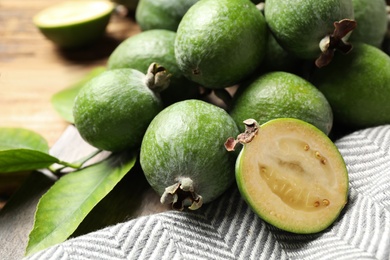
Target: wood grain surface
column 32, row 68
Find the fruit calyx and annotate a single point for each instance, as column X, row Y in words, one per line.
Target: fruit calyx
column 157, row 77
column 335, row 41
column 251, row 129
column 181, row 195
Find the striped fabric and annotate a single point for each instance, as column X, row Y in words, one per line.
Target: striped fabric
column 228, row 229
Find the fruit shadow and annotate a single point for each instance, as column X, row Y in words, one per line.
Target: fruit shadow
column 99, row 51
column 131, row 198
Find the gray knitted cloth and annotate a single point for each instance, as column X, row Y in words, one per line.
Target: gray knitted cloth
column 228, row 229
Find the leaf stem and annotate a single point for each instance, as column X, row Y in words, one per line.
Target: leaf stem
column 75, row 165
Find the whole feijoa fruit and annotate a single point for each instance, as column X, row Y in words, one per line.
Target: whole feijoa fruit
column 183, row 155
column 281, row 94
column 311, row 29
column 161, row 14
column 220, row 42
column 276, row 58
column 140, row 50
column 371, row 17
column 357, row 87
column 113, row 110
column 291, row 174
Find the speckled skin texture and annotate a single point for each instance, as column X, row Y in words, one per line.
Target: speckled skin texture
column 114, row 109
column 357, row 86
column 371, row 17
column 300, row 25
column 282, row 94
column 140, row 50
column 220, row 42
column 162, row 14
column 187, row 140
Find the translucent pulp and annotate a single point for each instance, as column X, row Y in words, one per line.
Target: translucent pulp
column 293, row 176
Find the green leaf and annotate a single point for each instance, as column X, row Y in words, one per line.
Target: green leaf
column 18, row 138
column 72, row 197
column 63, row 100
column 132, row 197
column 23, row 150
column 24, row 160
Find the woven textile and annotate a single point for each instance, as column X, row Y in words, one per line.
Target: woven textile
column 228, row 229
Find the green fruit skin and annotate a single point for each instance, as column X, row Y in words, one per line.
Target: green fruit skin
column 140, row 50
column 245, row 195
column 161, row 14
column 187, row 139
column 281, row 95
column 77, row 35
column 371, row 17
column 278, row 59
column 357, row 86
column 299, row 26
column 220, row 42
column 113, row 110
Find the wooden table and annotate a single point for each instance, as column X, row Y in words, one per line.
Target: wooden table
column 32, row 68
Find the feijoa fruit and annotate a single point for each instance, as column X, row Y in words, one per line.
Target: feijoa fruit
column 140, row 50
column 220, row 42
column 311, row 29
column 113, row 110
column 183, row 155
column 291, row 174
column 281, row 94
column 371, row 16
column 161, row 14
column 357, row 86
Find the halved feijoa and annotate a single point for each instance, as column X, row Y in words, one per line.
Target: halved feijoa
column 291, row 174
column 73, row 24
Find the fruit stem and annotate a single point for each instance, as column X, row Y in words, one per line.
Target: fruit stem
column 224, row 96
column 251, row 129
column 182, row 194
column 260, row 6
column 335, row 41
column 157, row 77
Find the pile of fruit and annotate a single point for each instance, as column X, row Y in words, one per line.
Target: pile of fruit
column 290, row 76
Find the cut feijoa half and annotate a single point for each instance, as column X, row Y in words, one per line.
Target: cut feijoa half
column 291, row 174
column 73, row 24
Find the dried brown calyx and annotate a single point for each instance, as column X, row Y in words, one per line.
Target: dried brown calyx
column 157, row 77
column 182, row 195
column 335, row 41
column 251, row 129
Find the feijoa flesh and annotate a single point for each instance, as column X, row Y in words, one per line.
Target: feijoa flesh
column 183, row 155
column 291, row 174
column 74, row 24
